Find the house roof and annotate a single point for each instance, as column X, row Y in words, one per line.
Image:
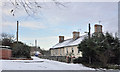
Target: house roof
column 4, row 47
column 69, row 42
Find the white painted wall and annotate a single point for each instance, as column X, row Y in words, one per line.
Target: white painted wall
column 63, row 51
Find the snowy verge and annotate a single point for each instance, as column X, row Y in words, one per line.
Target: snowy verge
column 40, row 64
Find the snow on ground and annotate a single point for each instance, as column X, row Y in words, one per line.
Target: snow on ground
column 40, row 64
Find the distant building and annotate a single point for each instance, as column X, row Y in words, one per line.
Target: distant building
column 70, row 46
column 34, row 50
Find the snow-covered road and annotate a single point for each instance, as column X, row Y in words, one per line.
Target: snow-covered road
column 40, row 64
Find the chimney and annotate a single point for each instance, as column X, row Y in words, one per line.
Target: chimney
column 61, row 39
column 98, row 28
column 75, row 35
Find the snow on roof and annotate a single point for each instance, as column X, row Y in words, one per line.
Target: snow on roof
column 4, row 47
column 69, row 42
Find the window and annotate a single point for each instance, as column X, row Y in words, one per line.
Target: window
column 67, row 50
column 72, row 50
column 56, row 51
column 60, row 52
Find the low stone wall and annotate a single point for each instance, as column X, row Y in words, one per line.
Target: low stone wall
column 56, row 58
column 21, row 58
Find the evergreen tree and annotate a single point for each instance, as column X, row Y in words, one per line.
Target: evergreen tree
column 101, row 48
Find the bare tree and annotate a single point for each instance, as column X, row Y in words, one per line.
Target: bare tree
column 31, row 7
column 6, row 39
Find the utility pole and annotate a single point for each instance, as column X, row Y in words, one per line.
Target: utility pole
column 89, row 31
column 89, row 39
column 17, row 30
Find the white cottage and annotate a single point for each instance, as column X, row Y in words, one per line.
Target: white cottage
column 68, row 47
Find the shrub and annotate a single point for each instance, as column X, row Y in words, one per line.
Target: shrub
column 79, row 60
column 20, row 50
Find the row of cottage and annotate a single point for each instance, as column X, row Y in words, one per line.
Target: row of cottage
column 70, row 46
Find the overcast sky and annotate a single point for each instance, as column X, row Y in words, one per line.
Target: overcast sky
column 52, row 21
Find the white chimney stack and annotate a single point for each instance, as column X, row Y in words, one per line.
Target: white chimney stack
column 76, row 35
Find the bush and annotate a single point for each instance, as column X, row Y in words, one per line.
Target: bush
column 20, row 50
column 79, row 60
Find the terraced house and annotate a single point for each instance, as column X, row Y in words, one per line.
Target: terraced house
column 70, row 46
